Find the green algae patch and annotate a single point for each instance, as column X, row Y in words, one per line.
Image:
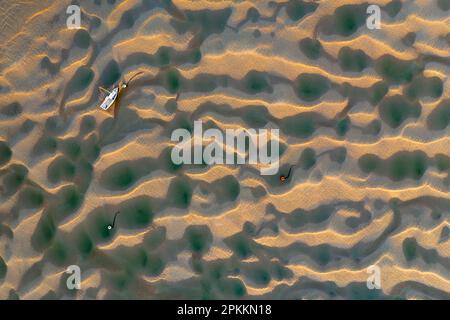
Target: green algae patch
column 377, row 92
column 70, row 199
column 59, row 253
column 111, row 74
column 84, row 243
column 444, row 5
column 348, row 19
column 342, row 126
column 310, row 87
column 301, row 126
column 425, row 87
column 397, row 71
column 393, row 8
column 296, row 10
column 442, row 162
column 14, row 178
column 5, row 153
column 409, row 246
column 136, row 213
column 395, row 110
column 400, row 166
column 228, row 189
column 439, row 118
column 82, row 39
column 311, row 48
column 82, row 79
column 3, row 268
column 199, row 238
column 368, row 163
column 353, row 60
column 308, row 158
column 44, row 233
column 155, row 265
column 256, row 82
column 61, row 169
column 31, row 197
column 173, row 81
column 180, row 191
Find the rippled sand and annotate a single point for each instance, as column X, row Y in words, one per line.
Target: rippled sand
column 363, row 115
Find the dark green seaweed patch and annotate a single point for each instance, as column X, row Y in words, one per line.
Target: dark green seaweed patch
column 297, row 9
column 71, row 148
column 173, row 81
column 154, row 265
column 439, row 118
column 82, row 39
column 136, row 213
column 45, row 145
column 256, row 82
column 84, row 243
column 310, row 87
column 368, row 163
column 155, row 238
column 342, row 126
column 425, row 87
column 240, row 245
column 444, row 4
column 395, row 110
column 203, row 83
column 5, row 153
column 70, row 199
column 308, row 158
column 44, row 232
column 3, row 268
column 14, row 178
column 111, row 74
column 11, row 110
column 408, row 165
column 180, row 192
column 395, row 70
column 260, row 276
column 377, row 92
column 338, row 155
column 199, row 238
column 203, row 22
column 31, row 197
column 123, row 175
column 61, row 169
column 88, row 123
column 128, row 18
column 402, row 165
column 59, row 252
column 311, row 48
column 229, row 189
column 409, row 39
column 349, row 18
column 409, row 248
column 353, row 60
column 393, row 8
column 81, row 80
column 442, row 162
column 256, row 116
column 302, row 126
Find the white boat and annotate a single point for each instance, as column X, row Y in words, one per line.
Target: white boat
column 110, row 98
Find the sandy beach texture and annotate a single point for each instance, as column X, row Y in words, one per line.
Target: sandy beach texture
column 363, row 115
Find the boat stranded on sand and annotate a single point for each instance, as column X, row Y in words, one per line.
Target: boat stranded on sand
column 112, row 95
column 110, row 98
